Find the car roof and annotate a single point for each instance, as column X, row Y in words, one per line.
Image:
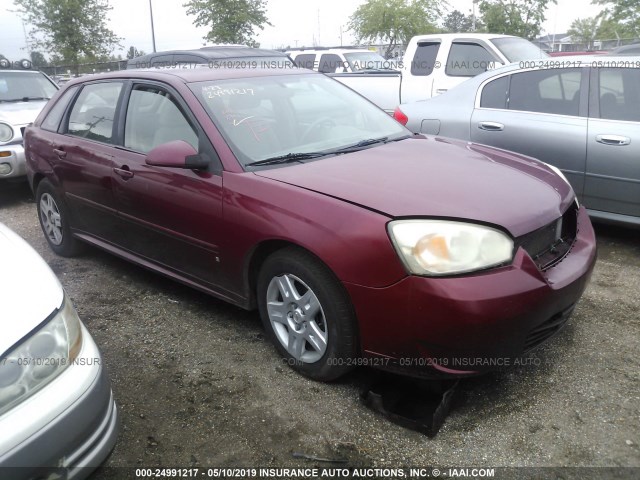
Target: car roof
column 215, row 52
column 464, row 36
column 189, row 75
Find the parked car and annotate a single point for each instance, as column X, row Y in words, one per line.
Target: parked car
column 433, row 64
column 340, row 60
column 581, row 115
column 23, row 93
column 633, row 49
column 214, row 56
column 57, row 414
column 286, row 191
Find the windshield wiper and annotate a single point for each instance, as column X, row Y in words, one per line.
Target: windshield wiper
column 288, row 158
column 24, row 99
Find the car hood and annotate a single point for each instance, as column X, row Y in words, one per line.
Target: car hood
column 21, row 113
column 30, row 290
column 437, row 177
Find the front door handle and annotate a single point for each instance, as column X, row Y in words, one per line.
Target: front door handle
column 440, row 91
column 616, row 140
column 491, row 126
column 124, row 172
column 60, row 153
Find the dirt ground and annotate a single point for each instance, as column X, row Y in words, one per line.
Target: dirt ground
column 197, row 384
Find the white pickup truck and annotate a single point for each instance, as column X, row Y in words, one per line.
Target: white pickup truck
column 435, row 63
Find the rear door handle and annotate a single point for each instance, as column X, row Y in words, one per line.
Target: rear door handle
column 60, row 153
column 491, row 126
column 440, row 91
column 124, row 172
column 616, row 140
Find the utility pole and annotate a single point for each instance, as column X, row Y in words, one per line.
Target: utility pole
column 153, row 33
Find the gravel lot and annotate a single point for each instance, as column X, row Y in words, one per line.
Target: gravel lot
column 197, row 384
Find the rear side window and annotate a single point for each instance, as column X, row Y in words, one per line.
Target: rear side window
column 620, row 94
column 94, row 110
column 424, row 59
column 494, row 94
column 154, row 118
column 305, row 60
column 468, row 60
column 53, row 118
column 554, row 91
column 330, row 63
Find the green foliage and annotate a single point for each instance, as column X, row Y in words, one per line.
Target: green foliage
column 69, row 28
column 523, row 18
column 230, row 21
column 623, row 17
column 395, row 21
column 458, row 22
column 133, row 52
column 38, row 60
column 584, row 31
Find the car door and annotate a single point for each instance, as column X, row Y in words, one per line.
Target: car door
column 540, row 113
column 172, row 216
column 83, row 161
column 612, row 182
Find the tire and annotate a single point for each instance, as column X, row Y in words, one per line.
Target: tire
column 314, row 330
column 54, row 220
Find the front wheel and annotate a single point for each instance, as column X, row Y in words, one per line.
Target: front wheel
column 307, row 314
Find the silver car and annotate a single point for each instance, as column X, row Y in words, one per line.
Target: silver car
column 581, row 114
column 23, row 93
column 58, row 418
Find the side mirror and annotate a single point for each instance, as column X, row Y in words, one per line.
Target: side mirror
column 177, row 154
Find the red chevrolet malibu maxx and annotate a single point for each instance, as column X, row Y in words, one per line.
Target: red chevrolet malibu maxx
column 285, row 191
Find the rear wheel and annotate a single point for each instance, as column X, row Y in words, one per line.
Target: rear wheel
column 54, row 220
column 307, row 314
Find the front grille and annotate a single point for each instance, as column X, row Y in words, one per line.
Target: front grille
column 547, row 329
column 548, row 245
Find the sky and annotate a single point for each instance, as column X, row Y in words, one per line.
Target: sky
column 295, row 23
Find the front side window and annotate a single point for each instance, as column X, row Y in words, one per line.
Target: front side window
column 153, row 118
column 554, row 91
column 94, row 111
column 468, row 60
column 619, row 94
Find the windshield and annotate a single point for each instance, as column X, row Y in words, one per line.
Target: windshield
column 271, row 116
column 25, row 86
column 367, row 61
column 517, row 49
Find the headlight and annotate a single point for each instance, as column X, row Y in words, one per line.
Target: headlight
column 441, row 247
column 40, row 358
column 6, row 132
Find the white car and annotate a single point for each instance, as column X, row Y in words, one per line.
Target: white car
column 340, row 60
column 58, row 418
column 23, row 94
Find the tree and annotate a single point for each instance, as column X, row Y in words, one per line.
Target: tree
column 38, row 60
column 458, row 22
column 230, row 21
column 584, row 31
column 523, row 18
column 626, row 13
column 133, row 52
column 69, row 28
column 395, row 21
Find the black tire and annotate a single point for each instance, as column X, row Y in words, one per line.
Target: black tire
column 50, row 205
column 335, row 317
